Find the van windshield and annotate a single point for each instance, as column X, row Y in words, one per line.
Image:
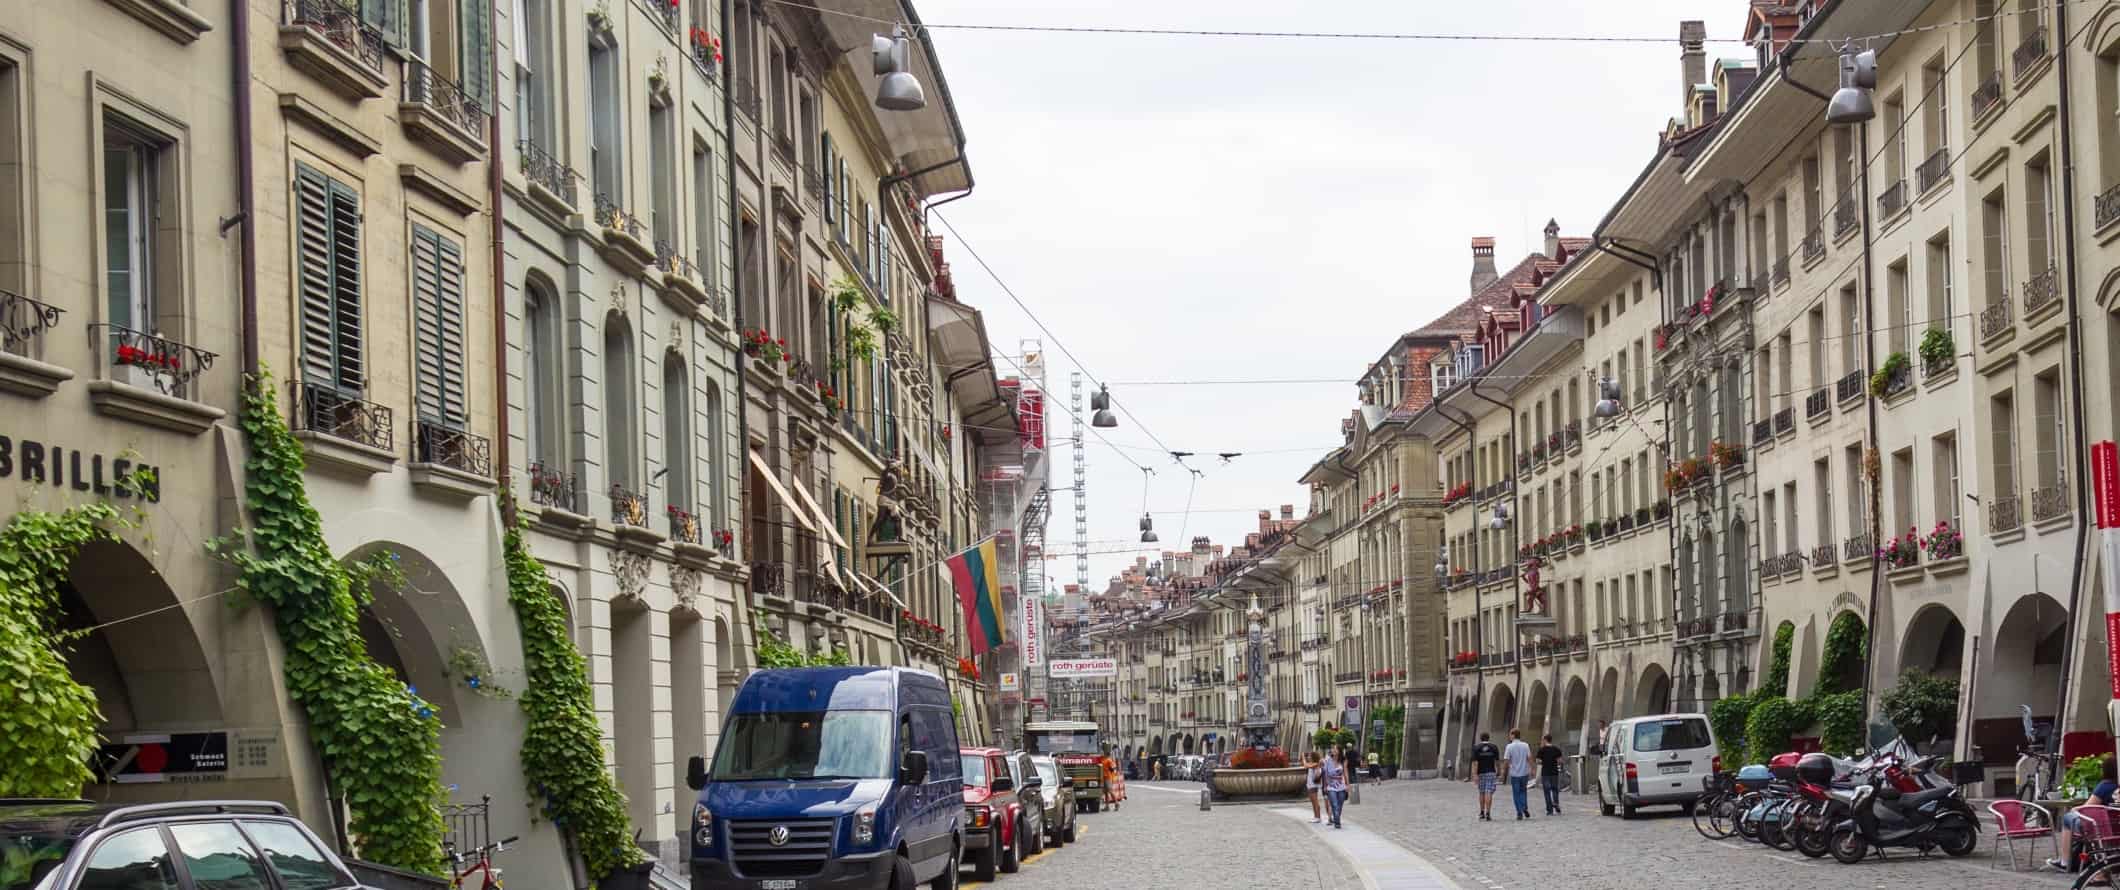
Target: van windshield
column 1671, row 735
column 805, row 745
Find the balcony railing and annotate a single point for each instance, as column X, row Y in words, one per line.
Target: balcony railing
column 1995, row 318
column 325, row 410
column 1817, row 403
column 1858, row 548
column 435, row 443
column 546, row 172
column 813, row 182
column 1814, row 244
column 22, row 319
column 446, row 98
column 743, row 91
column 1845, row 215
column 2039, row 291
column 1935, row 169
column 1824, row 555
column 628, row 507
column 1762, row 432
column 1781, row 564
column 2029, row 52
column 168, row 365
column 611, row 216
column 2050, row 502
column 684, row 525
column 1781, row 270
column 1784, row 420
column 1849, row 387
column 2005, row 514
column 340, row 24
column 549, row 487
column 1759, row 283
column 1733, row 622
column 1695, row 627
column 674, row 262
column 1892, row 200
column 769, row 577
column 1988, row 94
column 1935, row 366
column 2106, row 207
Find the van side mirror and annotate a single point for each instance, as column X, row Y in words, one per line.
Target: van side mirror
column 913, row 768
column 696, row 773
column 1003, row 783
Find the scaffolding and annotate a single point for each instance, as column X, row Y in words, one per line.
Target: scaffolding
column 1081, row 487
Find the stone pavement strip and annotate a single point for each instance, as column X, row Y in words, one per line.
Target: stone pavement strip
column 1382, row 864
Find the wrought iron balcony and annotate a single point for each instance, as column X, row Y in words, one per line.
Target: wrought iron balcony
column 1733, row 622
column 325, row 410
column 628, row 507
column 1695, row 627
column 23, row 319
column 1893, row 199
column 168, row 365
column 2050, row 502
column 1824, row 555
column 1762, row 432
column 674, row 262
column 340, row 24
column 1818, row 402
column 2106, row 207
column 743, row 91
column 1935, row 169
column 547, row 172
column 1759, row 282
column 1988, row 94
column 1995, row 318
column 1858, row 548
column 1784, row 420
column 771, row 577
column 1781, row 270
column 2005, row 514
column 684, row 526
column 2029, row 52
column 1814, row 245
column 435, row 443
column 446, row 98
column 611, row 216
column 549, row 487
column 1850, row 386
column 784, row 148
column 2040, row 292
column 813, row 182
column 1846, row 215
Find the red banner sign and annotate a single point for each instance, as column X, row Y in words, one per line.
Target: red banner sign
column 2105, row 482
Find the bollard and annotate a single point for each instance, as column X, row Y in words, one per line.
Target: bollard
column 1206, row 800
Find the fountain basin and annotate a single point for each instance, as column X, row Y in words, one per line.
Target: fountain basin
column 1278, row 782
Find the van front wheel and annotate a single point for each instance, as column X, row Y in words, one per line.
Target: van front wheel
column 901, row 873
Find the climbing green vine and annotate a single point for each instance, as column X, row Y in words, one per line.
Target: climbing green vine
column 1847, row 645
column 48, row 721
column 380, row 742
column 1778, row 669
column 562, row 751
column 774, row 652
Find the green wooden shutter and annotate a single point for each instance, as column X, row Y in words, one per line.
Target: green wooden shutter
column 346, row 285
column 438, row 348
column 312, row 197
column 388, row 18
column 475, row 59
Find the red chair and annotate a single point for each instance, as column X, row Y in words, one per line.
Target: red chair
column 2095, row 832
column 2017, row 821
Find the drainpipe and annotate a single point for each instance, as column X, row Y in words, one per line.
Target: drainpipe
column 743, row 404
column 1479, row 640
column 2084, row 509
column 1516, row 578
column 246, row 187
column 500, row 297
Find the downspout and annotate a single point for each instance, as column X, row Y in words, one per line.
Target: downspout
column 246, row 186
column 500, row 298
column 2084, row 509
column 743, row 403
column 1516, row 578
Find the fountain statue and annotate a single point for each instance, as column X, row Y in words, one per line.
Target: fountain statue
column 1260, row 769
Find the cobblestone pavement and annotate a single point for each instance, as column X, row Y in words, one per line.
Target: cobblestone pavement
column 1159, row 838
column 1581, row 850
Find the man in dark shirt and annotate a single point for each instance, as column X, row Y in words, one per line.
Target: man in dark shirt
column 1549, row 773
column 1485, row 757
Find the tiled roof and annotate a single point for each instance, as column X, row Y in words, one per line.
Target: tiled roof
column 1464, row 318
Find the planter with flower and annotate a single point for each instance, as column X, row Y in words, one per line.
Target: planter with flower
column 829, row 398
column 1573, row 535
column 1891, row 377
column 968, row 668
column 1685, row 474
column 1943, row 542
column 1901, row 552
column 155, row 360
column 725, row 542
column 706, row 50
column 1939, row 353
column 1726, row 455
column 1457, row 493
column 771, row 352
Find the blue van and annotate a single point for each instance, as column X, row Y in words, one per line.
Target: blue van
column 829, row 778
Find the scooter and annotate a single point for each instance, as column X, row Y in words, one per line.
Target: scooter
column 1881, row 815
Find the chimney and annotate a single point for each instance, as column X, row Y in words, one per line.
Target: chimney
column 1692, row 61
column 1553, row 239
column 1483, row 273
column 1288, row 511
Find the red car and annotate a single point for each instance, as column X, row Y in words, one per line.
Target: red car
column 999, row 827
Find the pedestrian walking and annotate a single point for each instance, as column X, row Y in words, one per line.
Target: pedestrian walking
column 1310, row 785
column 1549, row 773
column 1518, row 755
column 1485, row 757
column 1376, row 767
column 1332, row 775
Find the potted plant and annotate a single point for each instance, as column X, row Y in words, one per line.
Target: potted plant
column 1901, row 552
column 1888, row 376
column 1726, row 454
column 1937, row 350
column 1943, row 542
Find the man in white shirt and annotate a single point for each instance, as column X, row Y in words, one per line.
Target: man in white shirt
column 1518, row 756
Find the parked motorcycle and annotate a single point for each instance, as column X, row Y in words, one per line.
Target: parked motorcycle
column 1882, row 815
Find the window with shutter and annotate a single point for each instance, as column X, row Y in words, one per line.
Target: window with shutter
column 387, row 17
column 475, row 57
column 438, row 348
column 328, row 247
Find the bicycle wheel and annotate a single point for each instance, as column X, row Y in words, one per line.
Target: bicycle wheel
column 2109, row 867
column 1724, row 818
column 1704, row 813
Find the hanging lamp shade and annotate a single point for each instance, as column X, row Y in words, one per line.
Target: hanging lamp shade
column 1608, row 398
column 891, row 57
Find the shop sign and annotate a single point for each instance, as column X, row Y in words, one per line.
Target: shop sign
column 62, row 467
column 164, row 757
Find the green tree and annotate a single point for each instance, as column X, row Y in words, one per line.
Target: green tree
column 1922, row 706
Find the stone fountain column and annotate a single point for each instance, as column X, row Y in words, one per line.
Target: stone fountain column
column 1258, row 722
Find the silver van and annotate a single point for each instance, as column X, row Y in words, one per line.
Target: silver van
column 1657, row 760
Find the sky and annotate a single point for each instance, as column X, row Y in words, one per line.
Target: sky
column 1183, row 209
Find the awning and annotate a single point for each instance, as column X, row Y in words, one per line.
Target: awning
column 773, row 482
column 830, row 530
column 884, row 589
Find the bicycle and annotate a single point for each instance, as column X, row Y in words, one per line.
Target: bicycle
column 1715, row 811
column 482, row 862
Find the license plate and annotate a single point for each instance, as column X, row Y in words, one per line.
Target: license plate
column 779, row 884
column 1669, row 768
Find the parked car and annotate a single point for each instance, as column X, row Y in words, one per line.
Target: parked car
column 823, row 776
column 1030, row 789
column 997, row 813
column 1059, row 790
column 1657, row 760
column 65, row 845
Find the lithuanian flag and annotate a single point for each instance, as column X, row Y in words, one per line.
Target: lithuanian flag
column 975, row 574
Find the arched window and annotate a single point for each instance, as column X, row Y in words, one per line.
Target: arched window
column 715, row 516
column 620, row 408
column 1710, row 590
column 1740, row 566
column 1686, row 594
column 542, row 372
column 677, row 432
